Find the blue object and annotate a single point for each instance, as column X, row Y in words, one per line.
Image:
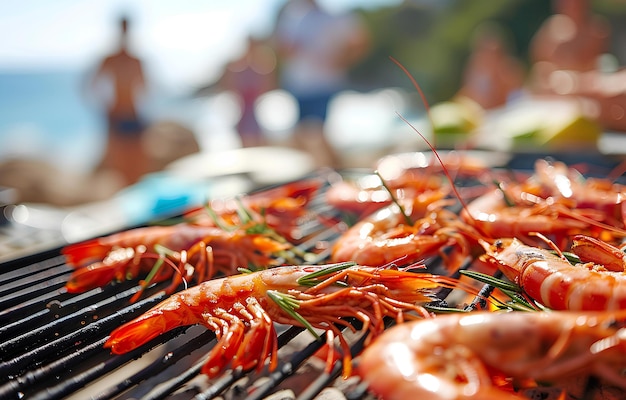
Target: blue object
column 161, row 195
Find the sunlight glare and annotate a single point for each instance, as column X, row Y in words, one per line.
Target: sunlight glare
column 267, row 115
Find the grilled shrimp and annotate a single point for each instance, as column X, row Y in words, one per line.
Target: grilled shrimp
column 222, row 237
column 405, row 175
column 556, row 202
column 558, row 284
column 132, row 254
column 240, row 309
column 459, row 356
column 279, row 208
column 587, row 193
column 493, row 217
column 386, row 236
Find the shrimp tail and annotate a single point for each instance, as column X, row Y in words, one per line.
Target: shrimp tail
column 90, row 277
column 245, row 334
column 163, row 318
column 85, row 253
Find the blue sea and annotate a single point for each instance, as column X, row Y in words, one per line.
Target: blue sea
column 43, row 116
column 50, row 116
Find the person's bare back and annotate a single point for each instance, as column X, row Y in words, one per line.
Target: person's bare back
column 123, row 72
column 126, row 76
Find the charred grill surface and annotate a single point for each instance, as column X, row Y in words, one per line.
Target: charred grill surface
column 51, row 342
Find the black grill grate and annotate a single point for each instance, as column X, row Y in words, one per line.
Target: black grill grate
column 51, row 342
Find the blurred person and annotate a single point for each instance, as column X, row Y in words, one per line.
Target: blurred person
column 316, row 50
column 132, row 150
column 573, row 39
column 124, row 75
column 566, row 53
column 492, row 75
column 605, row 95
column 38, row 181
column 249, row 77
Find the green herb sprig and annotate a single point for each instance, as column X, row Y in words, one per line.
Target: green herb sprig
column 394, row 199
column 313, row 278
column 513, row 291
column 289, row 304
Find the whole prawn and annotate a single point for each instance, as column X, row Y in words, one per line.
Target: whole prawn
column 221, row 237
column 400, row 176
column 131, row 254
column 279, row 207
column 240, row 309
column 390, row 235
column 552, row 202
column 598, row 282
column 367, row 194
column 458, row 356
column 587, row 193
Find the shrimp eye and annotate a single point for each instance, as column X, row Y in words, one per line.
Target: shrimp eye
column 499, row 244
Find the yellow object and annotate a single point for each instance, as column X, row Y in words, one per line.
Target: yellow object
column 455, row 117
column 552, row 125
column 574, row 132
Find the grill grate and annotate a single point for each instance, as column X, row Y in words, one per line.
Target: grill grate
column 51, row 342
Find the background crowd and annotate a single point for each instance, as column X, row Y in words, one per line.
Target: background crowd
column 489, row 52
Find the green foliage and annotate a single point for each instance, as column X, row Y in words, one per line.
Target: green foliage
column 433, row 41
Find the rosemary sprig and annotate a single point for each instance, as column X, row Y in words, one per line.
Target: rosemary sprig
column 162, row 251
column 571, row 257
column 219, row 222
column 407, row 219
column 289, row 304
column 253, row 227
column 155, row 269
column 244, row 214
column 518, row 302
column 507, row 199
column 312, row 279
column 490, row 280
column 514, row 292
column 443, row 310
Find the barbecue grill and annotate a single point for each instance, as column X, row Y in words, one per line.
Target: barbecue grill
column 51, row 342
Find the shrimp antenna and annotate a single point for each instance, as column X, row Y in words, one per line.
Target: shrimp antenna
column 617, row 172
column 445, row 170
column 419, row 90
column 550, row 243
column 432, row 147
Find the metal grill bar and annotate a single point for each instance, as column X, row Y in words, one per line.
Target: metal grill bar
column 51, row 342
column 157, row 366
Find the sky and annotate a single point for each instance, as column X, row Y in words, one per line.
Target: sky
column 183, row 42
